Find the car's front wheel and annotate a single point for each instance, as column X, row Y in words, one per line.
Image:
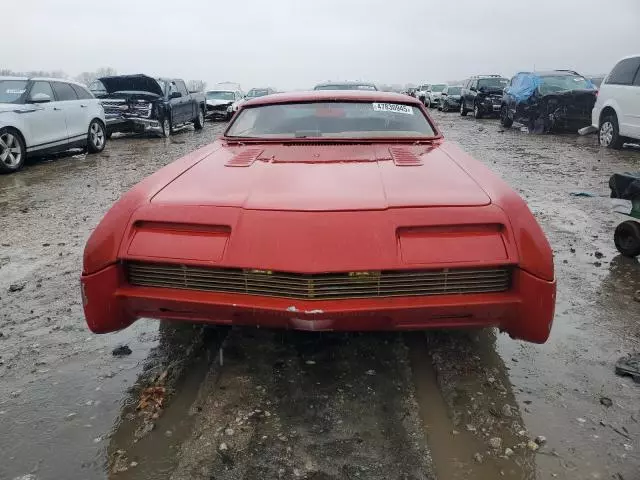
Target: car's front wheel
column 609, row 133
column 477, row 112
column 463, row 111
column 199, row 123
column 444, row 107
column 12, row 151
column 97, row 137
column 167, row 129
column 504, row 117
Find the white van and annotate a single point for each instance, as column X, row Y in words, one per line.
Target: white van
column 616, row 114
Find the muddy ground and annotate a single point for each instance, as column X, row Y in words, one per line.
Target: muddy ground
column 204, row 403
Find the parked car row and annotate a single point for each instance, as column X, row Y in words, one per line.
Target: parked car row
column 223, row 102
column 44, row 115
column 545, row 101
column 47, row 115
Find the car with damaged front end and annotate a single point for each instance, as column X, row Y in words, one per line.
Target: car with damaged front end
column 482, row 95
column 546, row 101
column 223, row 103
column 450, row 98
column 336, row 210
column 139, row 104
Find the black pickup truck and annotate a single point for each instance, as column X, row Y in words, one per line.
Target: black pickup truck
column 139, row 103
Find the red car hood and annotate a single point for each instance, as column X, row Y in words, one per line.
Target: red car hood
column 324, row 178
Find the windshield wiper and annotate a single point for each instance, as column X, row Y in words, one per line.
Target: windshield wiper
column 307, row 133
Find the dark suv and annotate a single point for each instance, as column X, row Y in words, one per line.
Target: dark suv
column 482, row 95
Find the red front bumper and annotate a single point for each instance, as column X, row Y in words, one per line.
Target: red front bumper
column 525, row 311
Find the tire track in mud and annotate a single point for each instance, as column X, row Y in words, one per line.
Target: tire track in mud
column 466, row 400
column 323, row 406
column 300, row 405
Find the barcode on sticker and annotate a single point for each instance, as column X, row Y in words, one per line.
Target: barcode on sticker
column 393, row 108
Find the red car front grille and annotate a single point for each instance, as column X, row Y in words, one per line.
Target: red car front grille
column 386, row 283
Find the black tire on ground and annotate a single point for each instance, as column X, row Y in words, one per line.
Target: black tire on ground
column 609, row 133
column 463, row 111
column 109, row 134
column 96, row 136
column 477, row 112
column 12, row 150
column 444, row 108
column 627, row 238
column 504, row 117
column 199, row 122
column 167, row 126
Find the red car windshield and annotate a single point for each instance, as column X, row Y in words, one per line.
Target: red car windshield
column 341, row 120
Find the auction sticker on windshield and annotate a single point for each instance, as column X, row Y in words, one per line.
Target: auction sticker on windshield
column 393, row 107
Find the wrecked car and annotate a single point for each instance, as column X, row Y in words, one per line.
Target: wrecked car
column 546, row 101
column 482, row 95
column 433, row 94
column 450, row 98
column 223, row 103
column 320, row 211
column 139, row 103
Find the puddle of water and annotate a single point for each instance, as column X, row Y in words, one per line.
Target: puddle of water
column 156, row 453
column 461, row 407
column 63, row 436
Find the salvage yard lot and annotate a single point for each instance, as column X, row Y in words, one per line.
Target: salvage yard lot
column 440, row 405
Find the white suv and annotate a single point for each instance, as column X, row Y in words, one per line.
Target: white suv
column 616, row 114
column 43, row 115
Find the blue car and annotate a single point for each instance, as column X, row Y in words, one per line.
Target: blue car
column 546, row 101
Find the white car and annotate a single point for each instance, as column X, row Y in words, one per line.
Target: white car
column 223, row 103
column 616, row 113
column 433, row 94
column 44, row 115
column 421, row 93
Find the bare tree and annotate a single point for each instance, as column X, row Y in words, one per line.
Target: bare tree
column 106, row 72
column 88, row 77
column 196, row 85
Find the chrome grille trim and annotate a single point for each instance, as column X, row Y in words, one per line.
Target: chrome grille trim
column 387, row 283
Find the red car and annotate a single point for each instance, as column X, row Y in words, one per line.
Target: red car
column 340, row 210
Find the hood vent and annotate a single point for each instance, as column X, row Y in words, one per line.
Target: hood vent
column 403, row 157
column 245, row 158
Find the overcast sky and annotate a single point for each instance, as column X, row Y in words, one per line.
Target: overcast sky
column 297, row 43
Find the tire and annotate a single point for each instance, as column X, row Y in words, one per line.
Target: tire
column 109, row 134
column 199, row 122
column 96, row 137
column 627, row 238
column 167, row 127
column 12, row 151
column 427, row 102
column 444, row 108
column 477, row 113
column 505, row 121
column 609, row 133
column 463, row 111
